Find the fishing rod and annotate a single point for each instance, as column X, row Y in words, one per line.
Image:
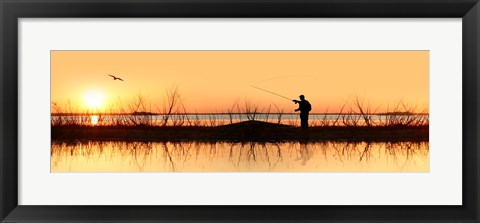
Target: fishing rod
column 272, row 92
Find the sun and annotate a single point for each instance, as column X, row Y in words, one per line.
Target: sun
column 94, row 99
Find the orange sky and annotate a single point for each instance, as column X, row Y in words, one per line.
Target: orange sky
column 211, row 81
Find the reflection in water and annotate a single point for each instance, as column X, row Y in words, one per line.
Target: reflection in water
column 93, row 119
column 98, row 156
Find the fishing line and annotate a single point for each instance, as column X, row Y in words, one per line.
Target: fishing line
column 271, row 92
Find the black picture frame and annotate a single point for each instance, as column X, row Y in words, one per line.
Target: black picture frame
column 12, row 10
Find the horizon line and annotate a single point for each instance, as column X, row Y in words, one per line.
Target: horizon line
column 234, row 113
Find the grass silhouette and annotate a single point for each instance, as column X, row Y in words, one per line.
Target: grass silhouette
column 246, row 121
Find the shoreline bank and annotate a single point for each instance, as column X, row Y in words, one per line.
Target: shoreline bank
column 253, row 131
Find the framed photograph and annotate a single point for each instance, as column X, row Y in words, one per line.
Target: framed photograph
column 226, row 111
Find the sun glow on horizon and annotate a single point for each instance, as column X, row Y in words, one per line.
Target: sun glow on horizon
column 94, row 99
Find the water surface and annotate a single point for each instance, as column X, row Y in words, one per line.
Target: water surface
column 335, row 156
column 216, row 119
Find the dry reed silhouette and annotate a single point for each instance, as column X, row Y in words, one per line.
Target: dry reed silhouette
column 140, row 112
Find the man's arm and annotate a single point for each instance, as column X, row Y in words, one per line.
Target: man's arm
column 297, row 101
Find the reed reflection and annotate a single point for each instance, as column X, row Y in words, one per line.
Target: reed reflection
column 113, row 156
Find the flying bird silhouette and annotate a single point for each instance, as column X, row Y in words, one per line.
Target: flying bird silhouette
column 115, row 78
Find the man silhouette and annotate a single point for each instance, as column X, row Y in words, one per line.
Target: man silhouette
column 304, row 107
